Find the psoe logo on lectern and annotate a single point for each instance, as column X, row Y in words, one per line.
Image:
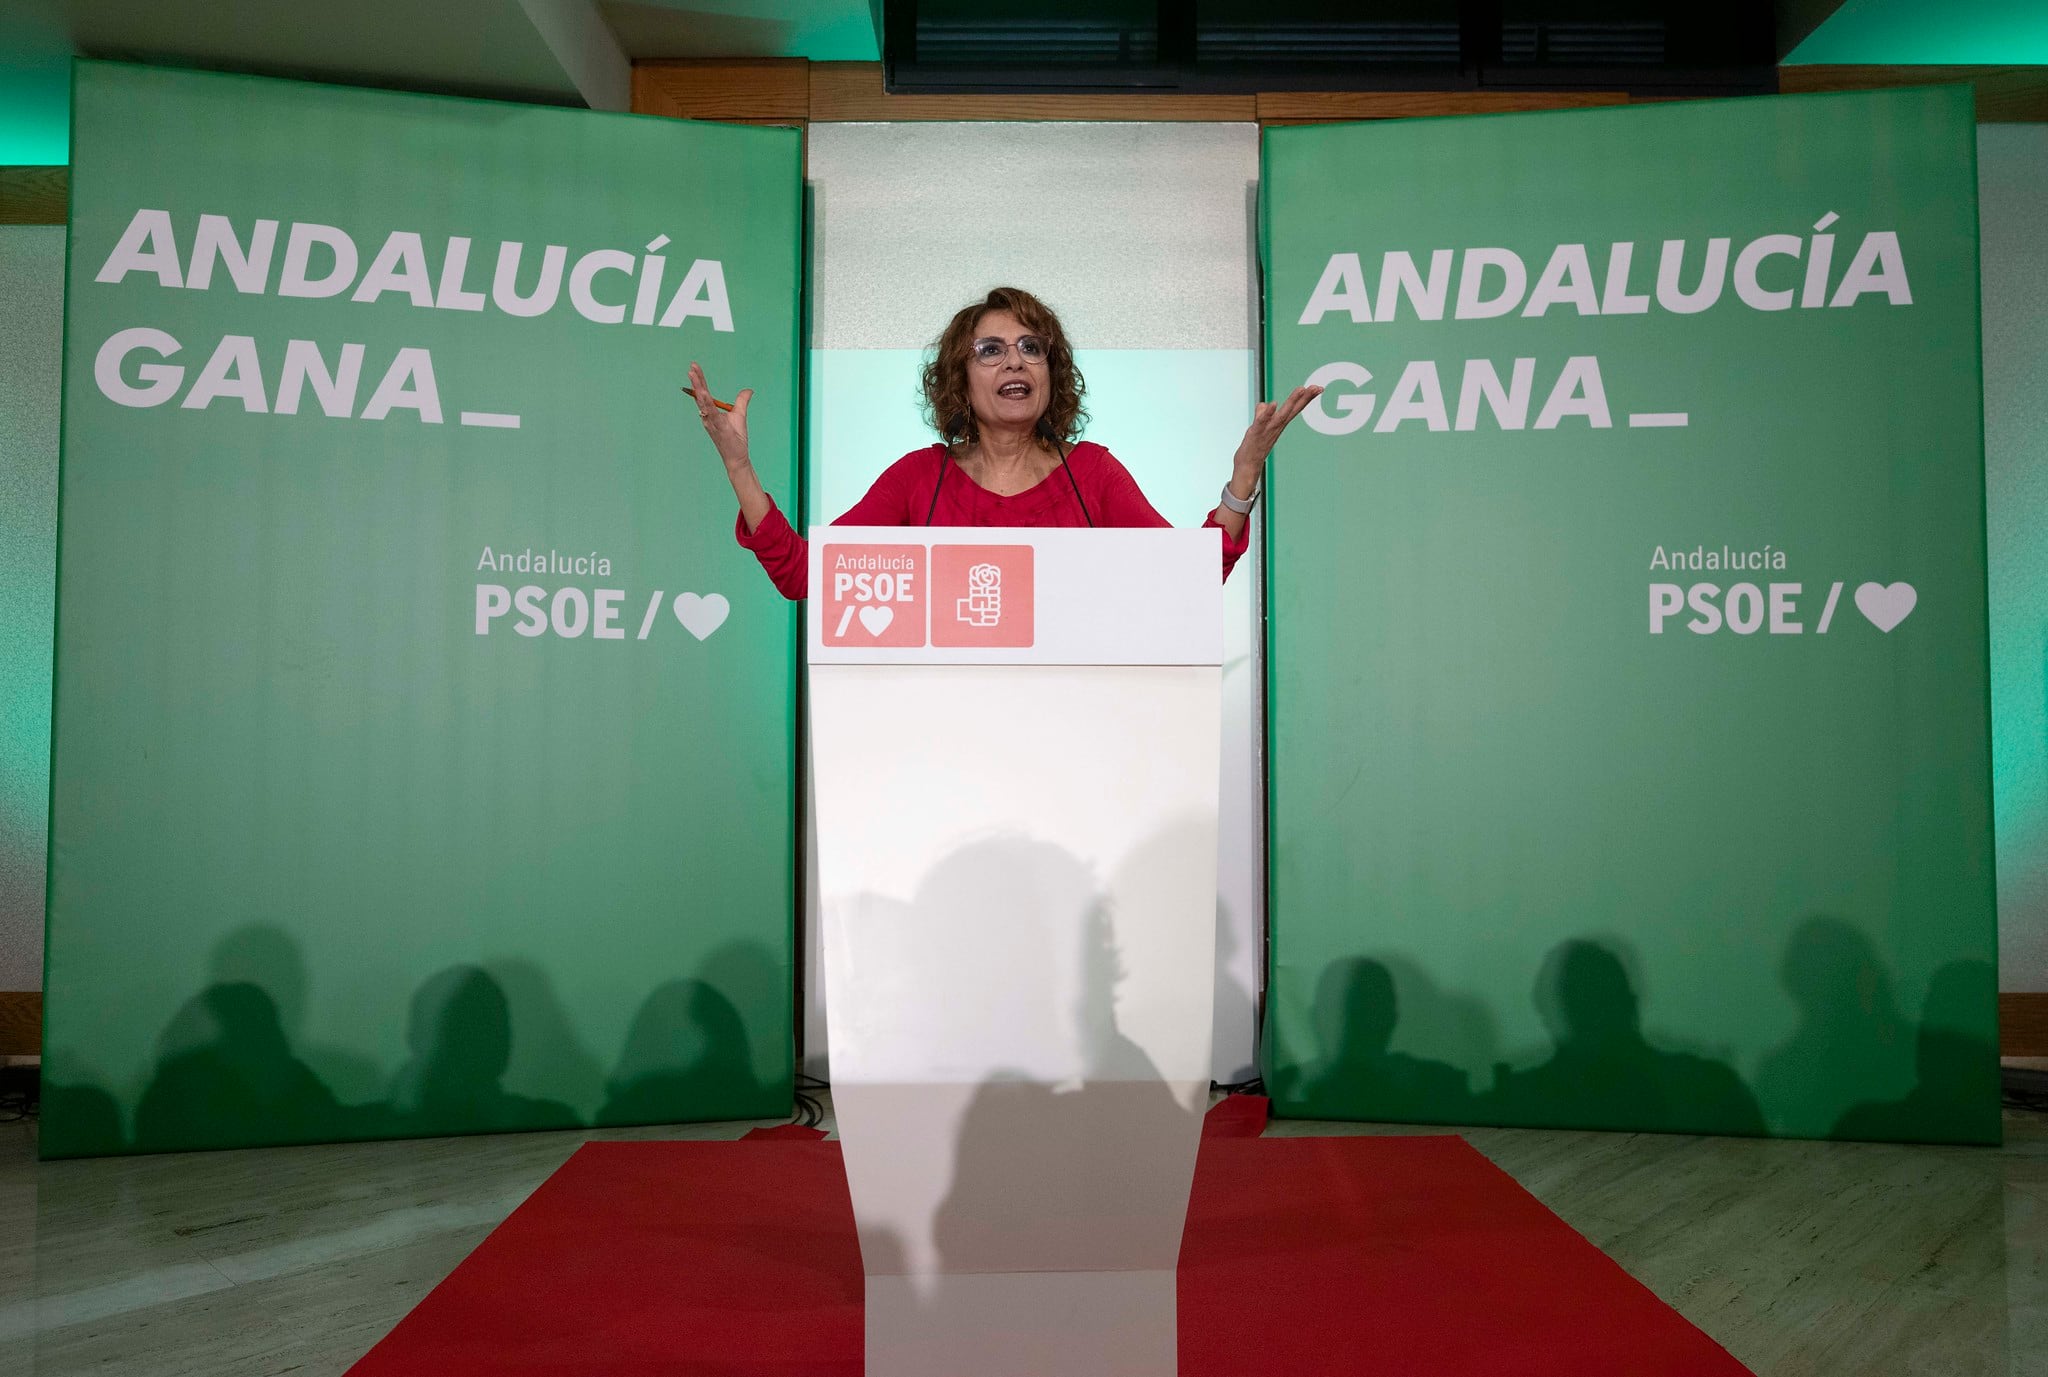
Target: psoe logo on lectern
column 874, row 595
column 982, row 595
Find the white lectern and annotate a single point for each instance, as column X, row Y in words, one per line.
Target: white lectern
column 1014, row 747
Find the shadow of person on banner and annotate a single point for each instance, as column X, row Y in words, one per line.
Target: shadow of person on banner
column 549, row 1059
column 1014, row 1119
column 226, row 1077
column 1604, row 1073
column 459, row 1030
column 762, row 987
column 1956, row 1098
column 1054, row 1175
column 1852, row 1044
column 1356, row 1012
column 686, row 1057
column 78, row 1117
column 267, row 956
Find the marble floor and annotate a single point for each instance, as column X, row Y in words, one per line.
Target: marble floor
column 1802, row 1258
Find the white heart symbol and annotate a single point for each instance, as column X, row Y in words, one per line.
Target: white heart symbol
column 701, row 616
column 1885, row 606
column 877, row 619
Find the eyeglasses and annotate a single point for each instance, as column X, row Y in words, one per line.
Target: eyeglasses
column 990, row 351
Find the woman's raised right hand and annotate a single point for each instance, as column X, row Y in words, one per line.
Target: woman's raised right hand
column 727, row 429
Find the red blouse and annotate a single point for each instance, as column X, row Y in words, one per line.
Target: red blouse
column 904, row 494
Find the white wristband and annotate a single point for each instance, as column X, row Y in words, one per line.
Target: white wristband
column 1231, row 501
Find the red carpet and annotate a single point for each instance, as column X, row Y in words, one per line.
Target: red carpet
column 1304, row 1256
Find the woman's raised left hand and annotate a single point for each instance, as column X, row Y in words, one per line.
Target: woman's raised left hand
column 1268, row 420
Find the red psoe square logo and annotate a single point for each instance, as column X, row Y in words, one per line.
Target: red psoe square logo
column 982, row 595
column 874, row 595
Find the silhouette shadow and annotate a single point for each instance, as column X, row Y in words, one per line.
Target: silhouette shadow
column 1044, row 1175
column 1851, row 1045
column 1955, row 1098
column 1070, row 1155
column 549, row 1060
column 752, row 979
column 686, row 1057
column 231, row 1069
column 1603, row 1073
column 78, row 1118
column 1356, row 1011
column 459, row 1030
column 266, row 956
column 226, row 1077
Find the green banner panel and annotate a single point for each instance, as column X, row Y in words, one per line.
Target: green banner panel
column 1629, row 744
column 422, row 758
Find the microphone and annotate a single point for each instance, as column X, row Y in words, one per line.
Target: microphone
column 1045, row 429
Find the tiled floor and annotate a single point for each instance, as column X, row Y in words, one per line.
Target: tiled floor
column 1802, row 1258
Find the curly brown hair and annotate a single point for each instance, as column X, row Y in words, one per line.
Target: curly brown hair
column 946, row 403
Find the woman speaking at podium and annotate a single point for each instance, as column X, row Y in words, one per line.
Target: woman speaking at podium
column 1003, row 391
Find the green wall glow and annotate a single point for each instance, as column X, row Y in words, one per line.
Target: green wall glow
column 35, row 93
column 1963, row 33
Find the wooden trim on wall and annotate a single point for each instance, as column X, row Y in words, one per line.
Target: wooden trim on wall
column 1322, row 107
column 736, row 91
column 2004, row 94
column 2023, row 1025
column 793, row 91
column 34, row 195
column 21, row 1023
column 843, row 91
